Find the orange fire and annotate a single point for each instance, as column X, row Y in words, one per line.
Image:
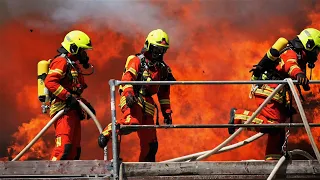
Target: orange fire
column 210, row 40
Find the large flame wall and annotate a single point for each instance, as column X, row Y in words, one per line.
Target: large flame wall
column 210, row 40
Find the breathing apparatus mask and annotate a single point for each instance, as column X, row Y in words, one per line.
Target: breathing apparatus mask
column 83, row 58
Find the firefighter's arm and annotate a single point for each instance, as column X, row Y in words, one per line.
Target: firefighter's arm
column 130, row 74
column 58, row 68
column 164, row 98
column 290, row 64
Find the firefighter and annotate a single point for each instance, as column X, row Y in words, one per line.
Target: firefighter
column 66, row 83
column 136, row 102
column 289, row 61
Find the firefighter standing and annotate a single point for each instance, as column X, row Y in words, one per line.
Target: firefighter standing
column 276, row 65
column 136, row 103
column 66, row 83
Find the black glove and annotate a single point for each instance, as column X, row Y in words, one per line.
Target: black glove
column 131, row 100
column 72, row 102
column 91, row 109
column 102, row 141
column 167, row 118
column 303, row 80
column 257, row 70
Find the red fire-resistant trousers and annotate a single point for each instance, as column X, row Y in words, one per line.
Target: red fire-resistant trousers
column 274, row 112
column 68, row 137
column 148, row 137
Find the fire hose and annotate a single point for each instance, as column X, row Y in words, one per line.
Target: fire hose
column 227, row 148
column 56, row 117
column 283, row 158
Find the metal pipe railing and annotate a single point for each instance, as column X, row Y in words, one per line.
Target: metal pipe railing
column 114, row 83
column 117, row 83
column 114, row 130
column 187, row 126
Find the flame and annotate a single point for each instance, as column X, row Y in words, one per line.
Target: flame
column 206, row 44
column 25, row 133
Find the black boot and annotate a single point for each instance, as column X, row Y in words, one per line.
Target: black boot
column 231, row 130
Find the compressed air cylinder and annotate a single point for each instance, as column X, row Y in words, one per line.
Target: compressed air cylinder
column 277, row 47
column 43, row 68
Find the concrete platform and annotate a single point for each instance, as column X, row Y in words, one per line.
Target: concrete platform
column 99, row 169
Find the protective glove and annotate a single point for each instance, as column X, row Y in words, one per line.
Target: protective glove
column 256, row 70
column 91, row 109
column 131, row 100
column 167, row 117
column 304, row 81
column 71, row 102
column 102, row 141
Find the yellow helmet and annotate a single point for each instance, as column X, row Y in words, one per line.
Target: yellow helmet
column 157, row 38
column 75, row 40
column 310, row 38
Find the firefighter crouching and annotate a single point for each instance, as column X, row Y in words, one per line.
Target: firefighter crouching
column 285, row 59
column 136, row 103
column 66, row 83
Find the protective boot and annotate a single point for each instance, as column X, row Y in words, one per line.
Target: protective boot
column 231, row 130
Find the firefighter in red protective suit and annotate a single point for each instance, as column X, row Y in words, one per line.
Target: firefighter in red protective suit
column 136, row 103
column 285, row 59
column 66, row 83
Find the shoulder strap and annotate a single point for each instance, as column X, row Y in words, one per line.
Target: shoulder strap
column 142, row 61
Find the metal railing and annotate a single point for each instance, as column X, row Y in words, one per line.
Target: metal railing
column 113, row 83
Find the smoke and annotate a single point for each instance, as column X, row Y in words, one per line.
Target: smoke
column 140, row 17
column 127, row 17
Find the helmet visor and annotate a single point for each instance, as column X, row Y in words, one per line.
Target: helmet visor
column 158, row 49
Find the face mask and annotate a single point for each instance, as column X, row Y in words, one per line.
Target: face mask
column 83, row 58
column 157, row 52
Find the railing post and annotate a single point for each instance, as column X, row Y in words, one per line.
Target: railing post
column 115, row 161
column 304, row 118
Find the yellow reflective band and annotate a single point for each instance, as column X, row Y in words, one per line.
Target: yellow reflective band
column 149, row 108
column 164, row 101
column 253, row 78
column 133, row 71
column 127, row 86
column 269, row 55
column 122, row 101
column 55, row 107
column 245, row 118
column 74, row 73
column 58, row 71
column 292, row 68
column 281, row 63
column 272, row 157
column 292, row 60
column 58, row 91
column 54, row 158
column 58, row 141
column 266, row 92
column 246, row 112
column 128, row 119
column 107, row 131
